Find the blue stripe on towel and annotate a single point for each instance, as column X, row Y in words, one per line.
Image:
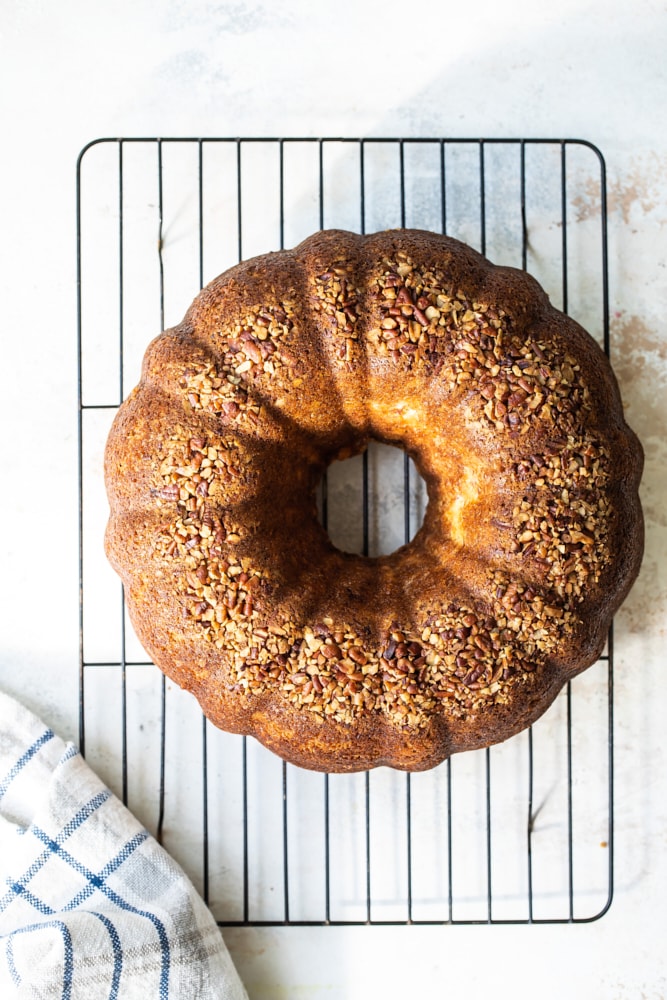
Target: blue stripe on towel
column 98, row 881
column 23, row 760
column 52, row 847
column 117, row 954
column 161, row 933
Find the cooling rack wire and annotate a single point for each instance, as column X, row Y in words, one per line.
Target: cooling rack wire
column 518, row 833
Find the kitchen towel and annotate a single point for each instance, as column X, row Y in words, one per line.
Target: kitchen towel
column 90, row 905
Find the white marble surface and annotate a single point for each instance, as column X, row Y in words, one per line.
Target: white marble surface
column 72, row 72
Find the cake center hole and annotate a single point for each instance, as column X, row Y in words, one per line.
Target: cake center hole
column 373, row 503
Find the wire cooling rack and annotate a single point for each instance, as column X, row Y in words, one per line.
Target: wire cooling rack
column 519, row 833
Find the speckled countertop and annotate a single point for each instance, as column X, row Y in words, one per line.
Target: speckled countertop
column 74, row 71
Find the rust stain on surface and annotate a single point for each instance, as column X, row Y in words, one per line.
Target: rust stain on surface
column 636, row 187
column 639, row 357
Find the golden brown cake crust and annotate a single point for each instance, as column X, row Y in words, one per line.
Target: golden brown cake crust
column 532, row 537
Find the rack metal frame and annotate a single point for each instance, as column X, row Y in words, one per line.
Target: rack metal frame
column 362, row 144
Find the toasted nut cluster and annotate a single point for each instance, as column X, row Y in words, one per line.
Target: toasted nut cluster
column 528, row 614
column 562, row 522
column 216, row 585
column 459, row 659
column 259, row 345
column 196, row 468
column 337, row 297
column 517, row 379
column 207, row 390
column 420, row 317
column 255, row 348
column 522, row 381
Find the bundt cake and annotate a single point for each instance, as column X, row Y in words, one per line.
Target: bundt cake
column 532, row 536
